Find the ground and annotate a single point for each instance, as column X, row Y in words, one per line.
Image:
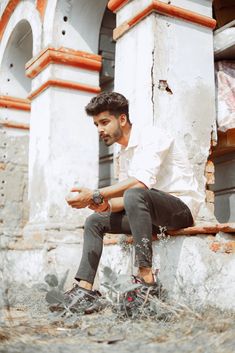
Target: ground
column 26, row 326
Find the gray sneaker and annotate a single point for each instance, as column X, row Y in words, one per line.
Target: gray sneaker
column 154, row 289
column 77, row 299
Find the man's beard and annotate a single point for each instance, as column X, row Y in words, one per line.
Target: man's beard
column 110, row 140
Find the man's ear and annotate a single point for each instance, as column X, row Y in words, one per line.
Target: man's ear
column 123, row 119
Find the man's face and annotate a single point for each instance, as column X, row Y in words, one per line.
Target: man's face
column 109, row 127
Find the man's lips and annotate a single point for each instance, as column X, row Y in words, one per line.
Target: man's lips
column 105, row 137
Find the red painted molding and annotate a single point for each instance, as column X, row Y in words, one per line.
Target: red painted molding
column 115, row 5
column 167, row 10
column 7, row 14
column 207, row 229
column 41, row 7
column 14, row 124
column 15, row 103
column 64, row 84
column 62, row 56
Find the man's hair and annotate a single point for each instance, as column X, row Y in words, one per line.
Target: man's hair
column 113, row 102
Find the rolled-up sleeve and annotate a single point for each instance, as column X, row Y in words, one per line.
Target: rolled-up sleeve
column 148, row 158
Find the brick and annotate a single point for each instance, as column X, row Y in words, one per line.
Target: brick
column 223, row 247
column 210, row 168
column 210, row 196
column 210, row 178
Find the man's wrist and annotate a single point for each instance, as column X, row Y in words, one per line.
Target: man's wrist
column 97, row 197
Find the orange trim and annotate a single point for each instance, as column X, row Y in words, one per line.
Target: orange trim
column 41, row 7
column 7, row 14
column 168, row 10
column 208, row 229
column 223, row 247
column 15, row 103
column 62, row 56
column 115, row 5
column 14, row 124
column 64, row 84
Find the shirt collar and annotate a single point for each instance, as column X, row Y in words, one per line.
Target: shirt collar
column 133, row 139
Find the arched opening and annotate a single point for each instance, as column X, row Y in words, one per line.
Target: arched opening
column 77, row 24
column 14, row 129
column 13, row 80
column 107, row 51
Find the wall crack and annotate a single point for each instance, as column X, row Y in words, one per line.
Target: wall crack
column 152, row 80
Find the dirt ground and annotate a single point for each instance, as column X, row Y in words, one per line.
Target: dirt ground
column 26, row 327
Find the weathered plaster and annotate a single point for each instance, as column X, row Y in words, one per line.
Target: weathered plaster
column 13, row 184
column 188, row 268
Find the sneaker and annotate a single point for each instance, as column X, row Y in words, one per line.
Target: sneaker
column 153, row 289
column 77, row 299
column 140, row 301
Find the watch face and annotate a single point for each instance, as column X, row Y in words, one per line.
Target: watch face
column 97, row 197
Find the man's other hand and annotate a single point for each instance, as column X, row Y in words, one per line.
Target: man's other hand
column 103, row 207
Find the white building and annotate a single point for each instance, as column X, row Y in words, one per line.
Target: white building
column 54, row 56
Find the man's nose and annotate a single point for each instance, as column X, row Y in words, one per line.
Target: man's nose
column 100, row 130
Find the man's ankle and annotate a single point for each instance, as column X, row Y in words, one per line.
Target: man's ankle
column 85, row 285
column 146, row 274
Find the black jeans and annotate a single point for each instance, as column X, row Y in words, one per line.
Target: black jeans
column 144, row 211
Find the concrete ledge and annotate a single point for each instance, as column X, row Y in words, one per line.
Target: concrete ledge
column 213, row 228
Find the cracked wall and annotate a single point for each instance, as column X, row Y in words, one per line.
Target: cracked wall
column 13, row 184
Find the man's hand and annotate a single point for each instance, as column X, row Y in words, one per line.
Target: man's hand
column 81, row 200
column 103, row 207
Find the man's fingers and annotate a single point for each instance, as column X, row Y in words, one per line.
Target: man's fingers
column 76, row 189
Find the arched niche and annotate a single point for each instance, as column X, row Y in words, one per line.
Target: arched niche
column 25, row 11
column 77, row 24
column 13, row 81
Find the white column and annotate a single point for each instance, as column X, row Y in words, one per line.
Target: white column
column 164, row 64
column 63, row 140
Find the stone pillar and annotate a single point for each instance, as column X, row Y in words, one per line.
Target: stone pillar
column 63, row 145
column 164, row 64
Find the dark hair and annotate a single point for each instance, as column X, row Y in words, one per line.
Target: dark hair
column 113, row 102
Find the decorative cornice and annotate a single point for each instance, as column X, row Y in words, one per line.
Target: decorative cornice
column 167, row 10
column 7, row 14
column 64, row 84
column 14, row 124
column 41, row 7
column 62, row 56
column 115, row 5
column 15, row 103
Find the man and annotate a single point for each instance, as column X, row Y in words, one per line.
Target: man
column 156, row 188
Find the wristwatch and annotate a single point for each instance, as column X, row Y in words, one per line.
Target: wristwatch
column 97, row 197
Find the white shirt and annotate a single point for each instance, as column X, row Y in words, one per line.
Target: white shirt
column 153, row 158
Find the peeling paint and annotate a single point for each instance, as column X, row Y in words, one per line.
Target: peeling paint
column 163, row 86
column 152, row 80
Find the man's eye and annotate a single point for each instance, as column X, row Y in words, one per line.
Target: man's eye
column 105, row 122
